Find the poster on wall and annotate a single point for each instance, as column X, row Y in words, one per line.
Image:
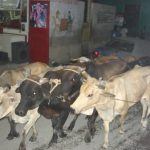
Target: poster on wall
column 38, row 15
column 66, row 18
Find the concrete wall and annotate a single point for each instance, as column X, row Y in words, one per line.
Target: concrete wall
column 6, row 40
column 66, row 22
column 102, row 23
column 144, row 20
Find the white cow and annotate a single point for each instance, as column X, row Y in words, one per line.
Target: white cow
column 9, row 100
column 115, row 98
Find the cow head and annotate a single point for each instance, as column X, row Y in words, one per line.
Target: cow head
column 91, row 94
column 71, row 80
column 33, row 93
column 8, row 100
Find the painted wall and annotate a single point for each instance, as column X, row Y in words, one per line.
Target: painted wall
column 66, row 21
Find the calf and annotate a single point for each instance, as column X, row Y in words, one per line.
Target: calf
column 115, row 98
column 9, row 100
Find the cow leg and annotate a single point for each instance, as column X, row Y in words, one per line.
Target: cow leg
column 26, row 129
column 122, row 120
column 72, row 124
column 106, row 128
column 91, row 127
column 144, row 113
column 55, row 136
column 34, row 135
column 22, row 145
column 57, row 124
column 13, row 133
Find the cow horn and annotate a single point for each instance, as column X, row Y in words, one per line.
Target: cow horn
column 85, row 75
column 102, row 83
column 43, row 80
column 74, row 68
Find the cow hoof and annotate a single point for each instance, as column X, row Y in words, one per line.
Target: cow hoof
column 53, row 140
column 11, row 136
column 51, row 143
column 33, row 139
column 144, row 123
column 70, row 128
column 121, row 131
column 62, row 135
column 105, row 146
column 92, row 131
column 22, row 147
column 87, row 138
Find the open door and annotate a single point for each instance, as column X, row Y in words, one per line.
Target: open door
column 132, row 13
column 39, row 12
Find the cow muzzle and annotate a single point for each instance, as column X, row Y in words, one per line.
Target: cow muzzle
column 21, row 113
column 72, row 110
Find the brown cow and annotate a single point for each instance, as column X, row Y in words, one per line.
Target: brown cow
column 12, row 76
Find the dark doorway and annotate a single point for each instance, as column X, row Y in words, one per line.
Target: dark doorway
column 132, row 13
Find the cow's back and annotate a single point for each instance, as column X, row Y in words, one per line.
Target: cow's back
column 106, row 70
column 10, row 77
column 130, row 86
column 37, row 68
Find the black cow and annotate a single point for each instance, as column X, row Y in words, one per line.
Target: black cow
column 54, row 105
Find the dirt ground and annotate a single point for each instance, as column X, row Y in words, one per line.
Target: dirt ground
column 134, row 138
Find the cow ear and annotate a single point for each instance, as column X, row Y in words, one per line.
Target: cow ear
column 6, row 88
column 46, row 88
column 17, row 90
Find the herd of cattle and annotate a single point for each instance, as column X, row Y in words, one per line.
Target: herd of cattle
column 106, row 87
